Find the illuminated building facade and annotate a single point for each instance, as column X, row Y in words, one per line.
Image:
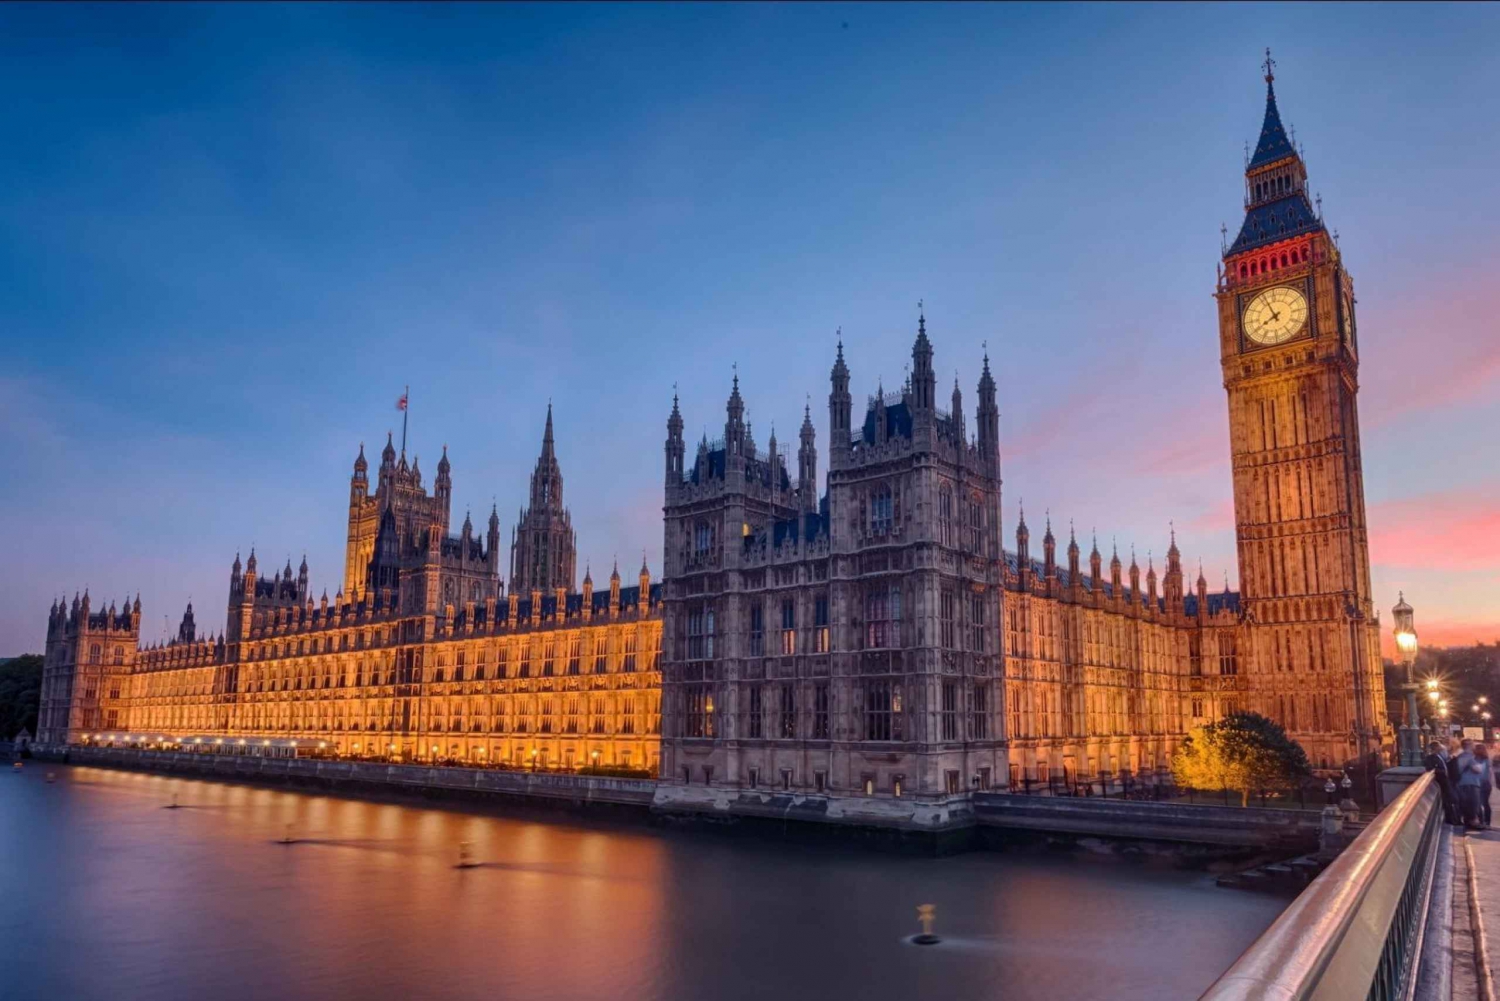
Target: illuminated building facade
column 1290, row 352
column 864, row 636
column 429, row 660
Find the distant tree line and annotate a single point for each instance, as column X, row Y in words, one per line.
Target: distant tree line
column 20, row 694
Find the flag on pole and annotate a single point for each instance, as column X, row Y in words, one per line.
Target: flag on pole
column 401, row 403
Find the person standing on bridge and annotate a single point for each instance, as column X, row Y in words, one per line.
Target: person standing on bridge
column 1437, row 763
column 1485, row 788
column 1473, row 776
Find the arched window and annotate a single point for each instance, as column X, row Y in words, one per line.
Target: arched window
column 94, row 652
column 945, row 515
column 880, row 511
column 119, row 655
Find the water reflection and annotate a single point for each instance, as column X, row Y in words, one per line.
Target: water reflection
column 103, row 894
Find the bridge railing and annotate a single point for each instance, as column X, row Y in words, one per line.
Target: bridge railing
column 1356, row 931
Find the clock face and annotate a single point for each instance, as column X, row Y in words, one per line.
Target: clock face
column 1348, row 320
column 1275, row 315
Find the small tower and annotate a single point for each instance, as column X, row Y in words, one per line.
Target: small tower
column 675, row 448
column 1049, row 552
column 840, row 404
column 807, row 464
column 923, row 379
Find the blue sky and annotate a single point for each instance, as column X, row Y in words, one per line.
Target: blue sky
column 230, row 235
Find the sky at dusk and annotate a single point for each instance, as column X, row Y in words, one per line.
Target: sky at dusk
column 229, row 236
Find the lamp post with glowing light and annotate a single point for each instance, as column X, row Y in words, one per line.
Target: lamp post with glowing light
column 1406, row 645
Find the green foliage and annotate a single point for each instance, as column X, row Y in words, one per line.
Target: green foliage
column 20, row 694
column 1243, row 751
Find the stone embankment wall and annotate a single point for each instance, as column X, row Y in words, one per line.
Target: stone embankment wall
column 950, row 826
column 1229, row 826
column 368, row 777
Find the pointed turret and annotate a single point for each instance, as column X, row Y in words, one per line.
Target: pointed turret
column 923, row 378
column 988, row 420
column 1049, row 551
column 960, row 428
column 807, row 463
column 840, row 403
column 388, row 454
column 1074, row 577
column 360, row 464
column 1276, row 203
column 675, row 448
column 734, row 420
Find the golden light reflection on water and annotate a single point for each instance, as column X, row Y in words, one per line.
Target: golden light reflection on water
column 119, row 898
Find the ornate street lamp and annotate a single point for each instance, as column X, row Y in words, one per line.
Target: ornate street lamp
column 1406, row 645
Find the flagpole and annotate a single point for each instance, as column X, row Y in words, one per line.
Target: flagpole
column 406, row 398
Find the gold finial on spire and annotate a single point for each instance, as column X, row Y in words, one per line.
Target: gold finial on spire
column 1269, row 66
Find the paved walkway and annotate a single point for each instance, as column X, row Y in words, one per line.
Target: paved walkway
column 1477, row 887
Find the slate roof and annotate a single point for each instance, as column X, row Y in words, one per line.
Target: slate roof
column 1273, row 144
column 1279, row 220
column 897, row 421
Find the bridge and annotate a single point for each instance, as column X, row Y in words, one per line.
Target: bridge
column 1400, row 915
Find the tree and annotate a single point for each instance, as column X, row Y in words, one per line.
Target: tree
column 20, row 694
column 1243, row 751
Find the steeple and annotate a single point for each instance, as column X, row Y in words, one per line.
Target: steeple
column 674, row 446
column 1073, row 574
column 1023, row 543
column 1273, row 144
column 360, row 465
column 544, row 552
column 839, row 406
column 734, row 423
column 807, row 463
column 923, row 379
column 1276, row 203
column 1049, row 550
column 988, row 419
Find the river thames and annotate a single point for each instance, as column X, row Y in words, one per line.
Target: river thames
column 106, row 893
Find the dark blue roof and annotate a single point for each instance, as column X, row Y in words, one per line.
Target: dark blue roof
column 1273, row 144
column 1217, row 603
column 897, row 422
column 712, row 470
column 1279, row 220
column 803, row 528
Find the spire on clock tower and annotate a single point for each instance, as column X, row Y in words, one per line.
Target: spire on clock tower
column 1276, row 203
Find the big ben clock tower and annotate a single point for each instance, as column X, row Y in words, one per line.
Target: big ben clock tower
column 1290, row 355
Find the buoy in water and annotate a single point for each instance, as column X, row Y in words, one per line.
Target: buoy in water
column 926, row 914
column 465, row 856
column 51, row 776
column 286, row 838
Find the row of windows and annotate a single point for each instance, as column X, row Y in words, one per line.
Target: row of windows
column 1273, row 262
column 771, row 712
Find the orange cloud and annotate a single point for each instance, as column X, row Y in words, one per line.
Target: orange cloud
column 1442, row 633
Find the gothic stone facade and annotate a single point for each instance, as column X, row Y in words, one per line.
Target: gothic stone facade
column 848, row 643
column 870, row 642
column 429, row 660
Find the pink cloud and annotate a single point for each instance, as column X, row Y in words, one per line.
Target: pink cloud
column 1454, row 361
column 1445, row 530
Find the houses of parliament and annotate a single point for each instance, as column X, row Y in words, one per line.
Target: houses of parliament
column 871, row 634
